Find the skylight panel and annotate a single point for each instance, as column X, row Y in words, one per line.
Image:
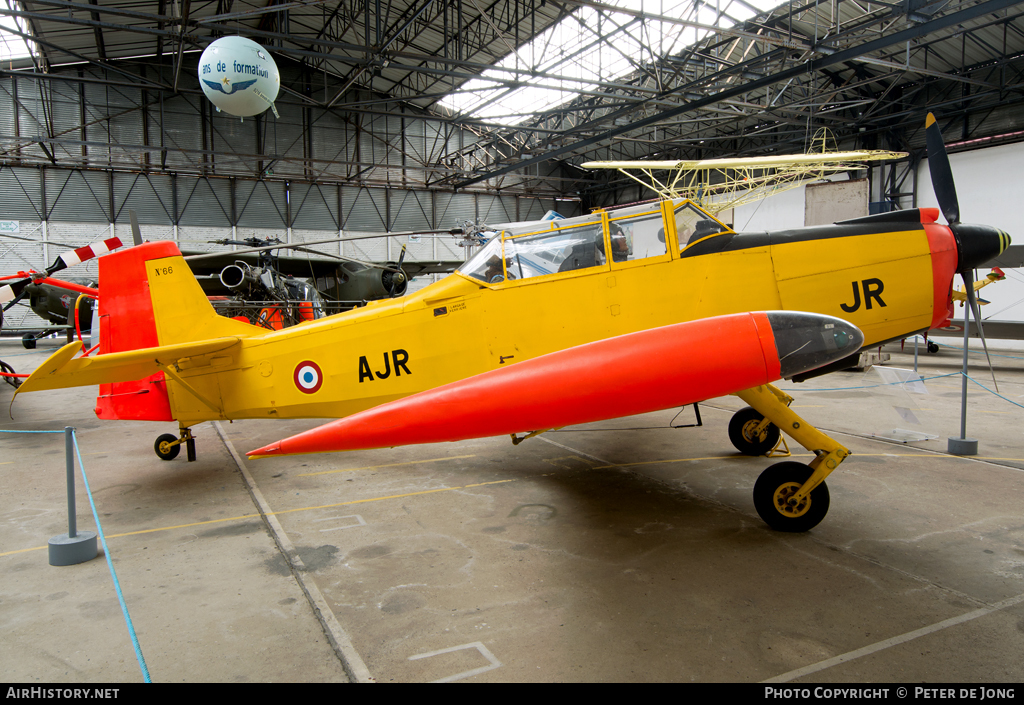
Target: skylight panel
column 586, row 48
column 11, row 45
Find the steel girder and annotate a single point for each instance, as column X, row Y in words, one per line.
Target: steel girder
column 866, row 87
column 867, row 71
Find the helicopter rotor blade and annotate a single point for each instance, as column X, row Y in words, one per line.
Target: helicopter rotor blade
column 17, row 237
column 82, row 254
column 293, row 246
column 317, row 252
column 11, row 294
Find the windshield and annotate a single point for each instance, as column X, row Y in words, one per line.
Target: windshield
column 485, row 265
column 693, row 224
column 562, row 250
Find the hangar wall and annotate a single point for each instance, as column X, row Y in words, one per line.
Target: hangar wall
column 61, row 209
column 989, row 187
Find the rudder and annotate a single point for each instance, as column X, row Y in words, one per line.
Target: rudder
column 149, row 297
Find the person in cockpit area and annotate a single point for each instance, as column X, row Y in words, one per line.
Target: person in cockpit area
column 620, row 246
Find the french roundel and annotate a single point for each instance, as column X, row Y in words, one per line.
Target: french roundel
column 308, row 377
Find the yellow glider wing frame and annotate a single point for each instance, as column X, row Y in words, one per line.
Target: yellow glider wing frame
column 719, row 184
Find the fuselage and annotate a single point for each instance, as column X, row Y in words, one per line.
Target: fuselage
column 889, row 276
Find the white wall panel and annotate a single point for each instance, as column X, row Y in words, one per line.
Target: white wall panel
column 410, row 210
column 989, row 184
column 314, row 206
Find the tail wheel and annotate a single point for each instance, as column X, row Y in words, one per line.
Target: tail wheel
column 13, row 381
column 742, row 432
column 773, row 498
column 167, row 447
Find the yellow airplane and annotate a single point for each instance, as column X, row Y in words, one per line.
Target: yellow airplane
column 552, row 324
column 996, row 275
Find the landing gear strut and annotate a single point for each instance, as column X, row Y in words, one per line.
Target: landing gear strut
column 168, row 446
column 789, row 496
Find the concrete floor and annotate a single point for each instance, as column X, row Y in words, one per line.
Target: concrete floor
column 621, row 551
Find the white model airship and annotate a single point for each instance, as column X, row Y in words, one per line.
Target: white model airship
column 239, row 77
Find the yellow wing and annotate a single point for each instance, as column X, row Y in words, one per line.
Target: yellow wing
column 719, row 184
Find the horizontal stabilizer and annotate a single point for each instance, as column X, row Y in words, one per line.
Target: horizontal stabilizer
column 62, row 369
column 629, row 374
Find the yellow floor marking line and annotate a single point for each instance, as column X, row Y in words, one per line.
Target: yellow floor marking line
column 23, row 550
column 390, row 465
column 671, row 460
column 808, row 455
column 394, row 496
column 283, row 511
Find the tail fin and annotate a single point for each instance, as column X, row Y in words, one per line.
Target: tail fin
column 148, row 298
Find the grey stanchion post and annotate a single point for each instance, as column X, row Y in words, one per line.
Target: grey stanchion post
column 963, row 445
column 74, row 546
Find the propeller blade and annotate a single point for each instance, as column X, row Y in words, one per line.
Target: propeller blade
column 397, row 277
column 976, row 312
column 136, row 232
column 10, row 294
column 941, row 173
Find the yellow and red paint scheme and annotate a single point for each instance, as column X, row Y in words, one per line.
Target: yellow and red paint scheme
column 888, row 275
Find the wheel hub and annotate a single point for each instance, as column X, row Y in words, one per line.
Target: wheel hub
column 749, row 429
column 786, row 503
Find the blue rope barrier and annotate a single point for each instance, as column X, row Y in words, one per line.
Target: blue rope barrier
column 106, row 552
column 113, row 574
column 991, row 392
column 11, row 430
column 882, row 384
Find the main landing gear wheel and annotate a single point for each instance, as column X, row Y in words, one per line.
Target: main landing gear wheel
column 773, row 494
column 742, row 428
column 167, row 447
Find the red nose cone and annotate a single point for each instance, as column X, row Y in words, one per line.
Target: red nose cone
column 266, row 451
